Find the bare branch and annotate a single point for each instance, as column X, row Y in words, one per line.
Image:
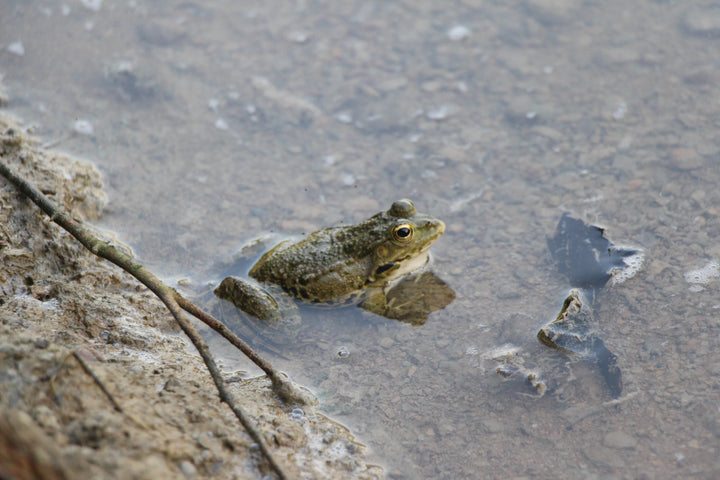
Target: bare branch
column 171, row 299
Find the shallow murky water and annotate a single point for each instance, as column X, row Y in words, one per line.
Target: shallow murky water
column 217, row 122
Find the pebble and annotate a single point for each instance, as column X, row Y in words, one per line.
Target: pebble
column 685, row 158
column 349, row 179
column 619, row 440
column 439, row 113
column 550, row 12
column 297, row 36
column 188, row 469
column 386, row 342
column 83, row 127
column 16, row 48
column 702, row 21
column 93, row 5
column 601, row 456
column 172, row 385
column 221, row 124
column 458, row 33
column 162, row 32
column 620, row 111
column 393, row 83
column 493, row 426
column 344, row 117
column 523, row 110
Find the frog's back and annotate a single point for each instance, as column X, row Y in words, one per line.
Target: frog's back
column 322, row 268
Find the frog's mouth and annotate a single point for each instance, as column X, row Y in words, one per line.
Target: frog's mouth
column 383, row 268
column 403, row 265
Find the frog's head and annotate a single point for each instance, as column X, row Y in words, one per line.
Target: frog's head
column 406, row 237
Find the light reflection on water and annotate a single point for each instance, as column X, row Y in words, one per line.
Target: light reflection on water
column 218, row 123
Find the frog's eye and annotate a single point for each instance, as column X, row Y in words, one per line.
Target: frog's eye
column 403, row 233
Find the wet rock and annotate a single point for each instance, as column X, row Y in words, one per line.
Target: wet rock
column 524, row 111
column 386, row 342
column 686, row 159
column 702, row 21
column 619, row 440
column 16, row 48
column 701, row 76
column 492, row 425
column 458, row 33
column 129, row 84
column 601, row 456
column 163, row 33
column 188, row 469
column 550, row 12
column 618, row 55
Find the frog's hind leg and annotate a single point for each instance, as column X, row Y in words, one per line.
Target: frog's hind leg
column 249, row 298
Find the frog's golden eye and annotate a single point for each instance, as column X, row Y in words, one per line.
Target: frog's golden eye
column 403, row 233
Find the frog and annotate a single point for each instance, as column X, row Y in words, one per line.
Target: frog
column 340, row 265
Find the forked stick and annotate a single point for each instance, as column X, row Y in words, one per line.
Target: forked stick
column 173, row 301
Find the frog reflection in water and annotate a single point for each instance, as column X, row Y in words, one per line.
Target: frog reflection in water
column 377, row 263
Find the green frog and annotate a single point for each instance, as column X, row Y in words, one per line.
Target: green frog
column 338, row 265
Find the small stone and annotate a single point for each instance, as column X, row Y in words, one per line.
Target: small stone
column 163, row 32
column 702, row 21
column 93, row 5
column 601, row 456
column 386, row 342
column 686, row 159
column 458, row 33
column 620, row 111
column 698, row 195
column 171, row 385
column 16, row 48
column 493, row 426
column 297, row 36
column 550, row 12
column 349, row 179
column 344, row 117
column 439, row 113
column 188, row 469
column 392, row 84
column 619, row 440
column 83, row 127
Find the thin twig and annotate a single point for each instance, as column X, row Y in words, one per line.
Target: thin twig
column 282, row 385
column 97, row 381
column 166, row 294
column 86, row 367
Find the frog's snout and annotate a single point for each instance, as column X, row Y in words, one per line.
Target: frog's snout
column 436, row 225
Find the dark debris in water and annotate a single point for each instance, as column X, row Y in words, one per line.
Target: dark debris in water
column 573, row 332
column 588, row 260
column 584, row 255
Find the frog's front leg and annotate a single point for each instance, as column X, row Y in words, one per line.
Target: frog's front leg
column 249, row 298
